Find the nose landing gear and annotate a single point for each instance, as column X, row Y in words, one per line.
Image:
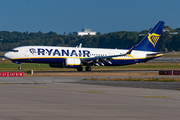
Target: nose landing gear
column 19, row 63
column 19, row 68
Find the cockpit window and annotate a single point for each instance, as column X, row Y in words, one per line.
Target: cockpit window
column 14, row 50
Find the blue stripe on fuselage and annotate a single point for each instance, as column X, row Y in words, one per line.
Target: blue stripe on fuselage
column 116, row 62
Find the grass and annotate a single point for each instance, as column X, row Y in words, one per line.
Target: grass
column 9, row 66
column 156, row 96
column 137, row 79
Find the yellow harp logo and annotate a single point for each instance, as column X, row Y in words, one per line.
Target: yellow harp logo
column 153, row 38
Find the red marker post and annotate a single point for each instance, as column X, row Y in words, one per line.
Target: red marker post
column 16, row 74
column 3, row 74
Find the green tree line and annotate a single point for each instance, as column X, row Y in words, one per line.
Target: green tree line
column 120, row 39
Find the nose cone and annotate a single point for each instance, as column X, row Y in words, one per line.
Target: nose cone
column 7, row 55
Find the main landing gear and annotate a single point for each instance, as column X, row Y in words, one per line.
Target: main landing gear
column 80, row 68
column 88, row 68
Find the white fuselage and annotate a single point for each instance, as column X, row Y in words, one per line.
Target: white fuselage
column 43, row 54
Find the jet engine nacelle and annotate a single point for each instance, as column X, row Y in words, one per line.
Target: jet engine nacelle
column 71, row 62
column 56, row 65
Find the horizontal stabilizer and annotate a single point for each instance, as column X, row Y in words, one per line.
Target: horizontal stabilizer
column 153, row 54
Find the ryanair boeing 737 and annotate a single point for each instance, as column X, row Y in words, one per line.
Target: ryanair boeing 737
column 76, row 57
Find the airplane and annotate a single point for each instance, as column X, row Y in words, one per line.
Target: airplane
column 76, row 57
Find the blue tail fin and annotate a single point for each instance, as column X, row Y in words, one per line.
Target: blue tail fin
column 151, row 41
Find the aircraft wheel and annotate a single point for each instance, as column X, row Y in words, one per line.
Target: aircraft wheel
column 88, row 68
column 79, row 68
column 19, row 68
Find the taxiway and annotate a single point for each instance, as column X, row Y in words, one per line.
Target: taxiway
column 70, row 98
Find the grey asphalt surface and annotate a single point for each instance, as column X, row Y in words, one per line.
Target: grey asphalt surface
column 79, row 80
column 71, row 98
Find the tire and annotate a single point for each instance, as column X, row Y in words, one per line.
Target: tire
column 88, row 68
column 19, row 68
column 79, row 68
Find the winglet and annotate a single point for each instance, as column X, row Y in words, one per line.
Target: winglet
column 130, row 50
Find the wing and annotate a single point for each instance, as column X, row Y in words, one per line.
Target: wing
column 100, row 60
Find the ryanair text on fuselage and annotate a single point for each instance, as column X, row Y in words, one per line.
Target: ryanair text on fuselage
column 62, row 52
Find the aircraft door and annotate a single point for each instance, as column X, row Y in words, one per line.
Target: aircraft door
column 10, row 54
column 26, row 52
column 135, row 57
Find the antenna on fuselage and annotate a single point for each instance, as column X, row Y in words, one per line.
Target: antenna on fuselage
column 80, row 45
